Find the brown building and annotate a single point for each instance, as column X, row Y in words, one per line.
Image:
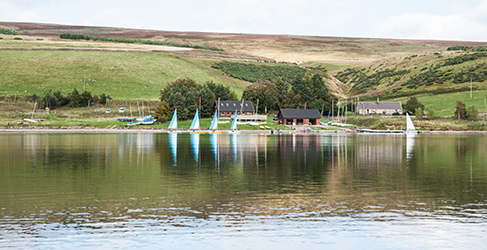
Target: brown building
column 299, row 117
column 227, row 108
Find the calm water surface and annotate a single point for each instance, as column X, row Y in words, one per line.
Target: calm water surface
column 245, row 191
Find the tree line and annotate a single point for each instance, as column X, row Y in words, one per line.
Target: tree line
column 184, row 94
column 309, row 91
column 125, row 40
column 260, row 73
column 53, row 100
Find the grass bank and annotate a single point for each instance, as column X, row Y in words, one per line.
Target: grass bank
column 126, row 75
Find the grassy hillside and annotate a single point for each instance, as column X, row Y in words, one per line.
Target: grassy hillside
column 433, row 73
column 385, row 68
column 119, row 74
column 444, row 105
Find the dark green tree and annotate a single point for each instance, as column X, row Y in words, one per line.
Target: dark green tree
column 207, row 100
column 282, row 90
column 412, row 104
column 49, row 101
column 85, row 98
column 63, row 100
column 74, row 99
column 460, row 110
column 265, row 92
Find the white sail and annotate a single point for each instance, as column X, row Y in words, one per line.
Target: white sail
column 409, row 123
column 174, row 120
column 196, row 122
column 234, row 122
column 214, row 123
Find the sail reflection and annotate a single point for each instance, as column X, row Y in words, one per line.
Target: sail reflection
column 195, row 144
column 410, row 137
column 214, row 146
column 173, row 145
column 234, row 146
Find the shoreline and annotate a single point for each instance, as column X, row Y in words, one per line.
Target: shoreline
column 94, row 130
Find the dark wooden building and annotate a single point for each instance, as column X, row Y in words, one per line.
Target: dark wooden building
column 299, row 117
column 227, row 108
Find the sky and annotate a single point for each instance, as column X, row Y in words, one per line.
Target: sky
column 413, row 19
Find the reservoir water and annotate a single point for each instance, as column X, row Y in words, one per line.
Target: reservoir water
column 244, row 191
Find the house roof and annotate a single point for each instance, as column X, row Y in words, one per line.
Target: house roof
column 380, row 105
column 299, row 114
column 229, row 106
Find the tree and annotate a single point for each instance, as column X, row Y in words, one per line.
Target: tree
column 460, row 110
column 419, row 113
column 49, row 101
column 265, row 92
column 472, row 113
column 430, row 113
column 207, row 100
column 282, row 90
column 162, row 112
column 63, row 100
column 412, row 104
column 85, row 98
column 74, row 99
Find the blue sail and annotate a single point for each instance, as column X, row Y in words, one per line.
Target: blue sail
column 196, row 122
column 234, row 122
column 214, row 123
column 173, row 145
column 195, row 143
column 174, row 120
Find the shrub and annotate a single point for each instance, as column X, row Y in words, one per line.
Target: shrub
column 472, row 113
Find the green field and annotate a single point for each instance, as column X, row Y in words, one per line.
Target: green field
column 444, row 105
column 120, row 74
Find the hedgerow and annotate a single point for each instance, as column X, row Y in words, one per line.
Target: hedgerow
column 260, row 73
column 7, row 31
column 125, row 40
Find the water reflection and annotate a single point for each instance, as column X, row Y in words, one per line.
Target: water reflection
column 195, row 144
column 410, row 144
column 173, row 145
column 243, row 182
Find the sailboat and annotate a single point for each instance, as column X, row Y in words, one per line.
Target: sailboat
column 195, row 124
column 214, row 123
column 409, row 125
column 174, row 120
column 233, row 127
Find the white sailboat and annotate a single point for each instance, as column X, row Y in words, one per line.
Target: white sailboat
column 196, row 122
column 174, row 120
column 233, row 127
column 214, row 123
column 409, row 124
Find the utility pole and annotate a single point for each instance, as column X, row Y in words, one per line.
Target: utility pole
column 470, row 88
column 332, row 109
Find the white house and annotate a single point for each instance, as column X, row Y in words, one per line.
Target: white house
column 379, row 108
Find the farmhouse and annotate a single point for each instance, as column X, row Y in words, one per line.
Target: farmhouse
column 379, row 108
column 227, row 108
column 299, row 116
